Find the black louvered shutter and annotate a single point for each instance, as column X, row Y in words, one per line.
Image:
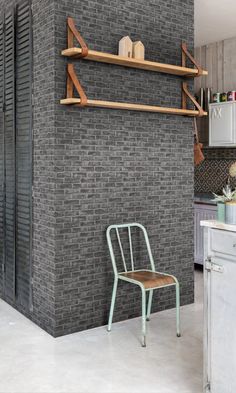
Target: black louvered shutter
column 2, row 189
column 9, row 129
column 16, row 154
column 23, row 152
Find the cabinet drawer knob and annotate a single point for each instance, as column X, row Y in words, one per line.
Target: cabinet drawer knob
column 234, row 245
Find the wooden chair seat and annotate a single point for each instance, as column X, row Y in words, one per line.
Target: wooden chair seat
column 149, row 279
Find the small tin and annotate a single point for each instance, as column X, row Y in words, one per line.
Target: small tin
column 216, row 97
column 231, row 95
column 223, row 97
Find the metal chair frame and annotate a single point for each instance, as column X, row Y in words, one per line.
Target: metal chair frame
column 117, row 276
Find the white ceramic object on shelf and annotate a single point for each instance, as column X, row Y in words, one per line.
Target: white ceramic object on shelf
column 138, row 50
column 125, row 47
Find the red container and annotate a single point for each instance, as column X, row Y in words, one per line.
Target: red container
column 231, row 95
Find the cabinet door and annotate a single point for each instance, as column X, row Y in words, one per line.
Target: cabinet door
column 222, row 124
column 201, row 212
column 221, row 337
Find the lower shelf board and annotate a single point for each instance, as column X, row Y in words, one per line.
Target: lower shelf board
column 133, row 107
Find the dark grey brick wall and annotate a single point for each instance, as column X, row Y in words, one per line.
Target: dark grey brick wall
column 120, row 166
column 94, row 167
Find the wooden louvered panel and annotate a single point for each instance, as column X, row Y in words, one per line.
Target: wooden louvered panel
column 23, row 153
column 15, row 154
column 9, row 128
column 2, row 187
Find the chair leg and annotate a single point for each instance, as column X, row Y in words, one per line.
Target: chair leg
column 149, row 304
column 113, row 299
column 144, row 316
column 177, row 310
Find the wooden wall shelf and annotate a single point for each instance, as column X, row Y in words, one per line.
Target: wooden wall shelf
column 82, row 100
column 83, row 52
column 129, row 106
column 134, row 63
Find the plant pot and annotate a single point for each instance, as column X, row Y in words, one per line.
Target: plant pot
column 230, row 213
column 221, row 211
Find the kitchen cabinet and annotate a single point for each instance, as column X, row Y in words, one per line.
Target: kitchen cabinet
column 222, row 124
column 219, row 308
column 201, row 212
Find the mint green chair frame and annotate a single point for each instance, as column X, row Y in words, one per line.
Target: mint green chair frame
column 146, row 311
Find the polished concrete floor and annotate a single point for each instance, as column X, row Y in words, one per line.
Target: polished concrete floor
column 95, row 361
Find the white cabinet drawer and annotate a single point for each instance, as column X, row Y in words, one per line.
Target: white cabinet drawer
column 223, row 242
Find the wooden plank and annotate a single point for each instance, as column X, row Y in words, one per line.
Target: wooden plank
column 230, row 64
column 129, row 106
column 214, row 67
column 130, row 62
column 197, row 81
column 203, row 63
column 220, row 66
column 209, row 65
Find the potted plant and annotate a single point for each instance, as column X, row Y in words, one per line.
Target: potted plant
column 226, row 205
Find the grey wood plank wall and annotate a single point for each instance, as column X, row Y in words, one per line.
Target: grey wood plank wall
column 219, row 59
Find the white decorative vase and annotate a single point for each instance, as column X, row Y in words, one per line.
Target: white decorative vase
column 230, row 213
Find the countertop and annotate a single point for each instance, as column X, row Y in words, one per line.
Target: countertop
column 204, row 197
column 218, row 225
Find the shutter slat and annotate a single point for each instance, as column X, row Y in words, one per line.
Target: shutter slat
column 10, row 156
column 2, row 191
column 23, row 153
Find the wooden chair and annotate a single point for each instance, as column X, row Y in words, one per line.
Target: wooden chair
column 146, row 279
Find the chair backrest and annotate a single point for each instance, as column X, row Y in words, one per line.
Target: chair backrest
column 129, row 233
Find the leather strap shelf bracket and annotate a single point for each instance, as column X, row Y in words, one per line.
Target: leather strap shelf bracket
column 185, row 94
column 73, row 82
column 186, row 54
column 72, row 33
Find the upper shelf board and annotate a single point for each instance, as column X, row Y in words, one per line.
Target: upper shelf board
column 134, row 63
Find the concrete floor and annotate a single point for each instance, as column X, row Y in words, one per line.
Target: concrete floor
column 95, row 361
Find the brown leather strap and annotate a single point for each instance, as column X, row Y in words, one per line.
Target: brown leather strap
column 73, row 32
column 186, row 53
column 196, row 136
column 190, row 96
column 77, row 85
